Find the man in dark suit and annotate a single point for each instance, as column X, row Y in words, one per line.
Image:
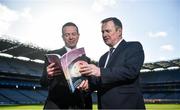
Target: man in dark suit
column 59, row 95
column 117, row 77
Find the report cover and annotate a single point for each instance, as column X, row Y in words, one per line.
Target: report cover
column 70, row 64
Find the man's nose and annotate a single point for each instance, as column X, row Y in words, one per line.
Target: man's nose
column 104, row 34
column 71, row 36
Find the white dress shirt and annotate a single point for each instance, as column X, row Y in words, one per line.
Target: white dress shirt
column 115, row 46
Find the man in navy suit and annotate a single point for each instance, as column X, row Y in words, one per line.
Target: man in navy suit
column 117, row 77
column 59, row 95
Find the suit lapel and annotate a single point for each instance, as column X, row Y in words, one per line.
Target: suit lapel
column 64, row 50
column 61, row 51
column 103, row 60
column 117, row 51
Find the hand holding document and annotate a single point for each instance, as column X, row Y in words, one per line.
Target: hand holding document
column 70, row 64
column 90, row 70
column 53, row 70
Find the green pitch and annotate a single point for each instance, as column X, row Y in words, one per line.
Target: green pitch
column 156, row 107
column 40, row 107
column 163, row 106
column 21, row 107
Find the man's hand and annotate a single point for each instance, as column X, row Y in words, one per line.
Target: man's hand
column 84, row 85
column 90, row 70
column 53, row 70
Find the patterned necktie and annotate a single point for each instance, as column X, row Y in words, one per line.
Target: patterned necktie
column 111, row 52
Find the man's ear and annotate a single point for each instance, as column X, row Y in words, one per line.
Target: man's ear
column 120, row 31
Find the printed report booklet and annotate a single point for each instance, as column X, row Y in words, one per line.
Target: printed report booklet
column 70, row 64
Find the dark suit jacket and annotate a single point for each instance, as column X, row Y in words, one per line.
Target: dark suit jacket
column 59, row 95
column 118, row 87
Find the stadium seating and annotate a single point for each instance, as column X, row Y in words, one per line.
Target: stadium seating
column 161, row 76
column 161, row 86
column 13, row 65
column 20, row 96
column 19, row 84
column 4, row 67
column 4, row 100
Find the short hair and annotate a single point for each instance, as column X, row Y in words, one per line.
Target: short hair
column 70, row 24
column 116, row 21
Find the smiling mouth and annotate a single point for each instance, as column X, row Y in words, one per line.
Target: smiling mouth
column 72, row 41
column 105, row 39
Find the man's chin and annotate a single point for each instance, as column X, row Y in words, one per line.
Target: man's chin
column 107, row 43
column 72, row 46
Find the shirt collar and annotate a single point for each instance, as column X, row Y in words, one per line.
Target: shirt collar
column 115, row 46
column 68, row 49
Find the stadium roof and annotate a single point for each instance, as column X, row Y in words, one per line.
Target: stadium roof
column 16, row 49
column 162, row 65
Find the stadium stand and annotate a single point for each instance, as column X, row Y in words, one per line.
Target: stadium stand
column 162, row 86
column 19, row 78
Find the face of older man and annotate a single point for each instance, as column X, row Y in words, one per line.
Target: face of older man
column 70, row 36
column 111, row 35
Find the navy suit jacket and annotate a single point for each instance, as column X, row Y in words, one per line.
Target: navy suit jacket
column 118, row 87
column 59, row 95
